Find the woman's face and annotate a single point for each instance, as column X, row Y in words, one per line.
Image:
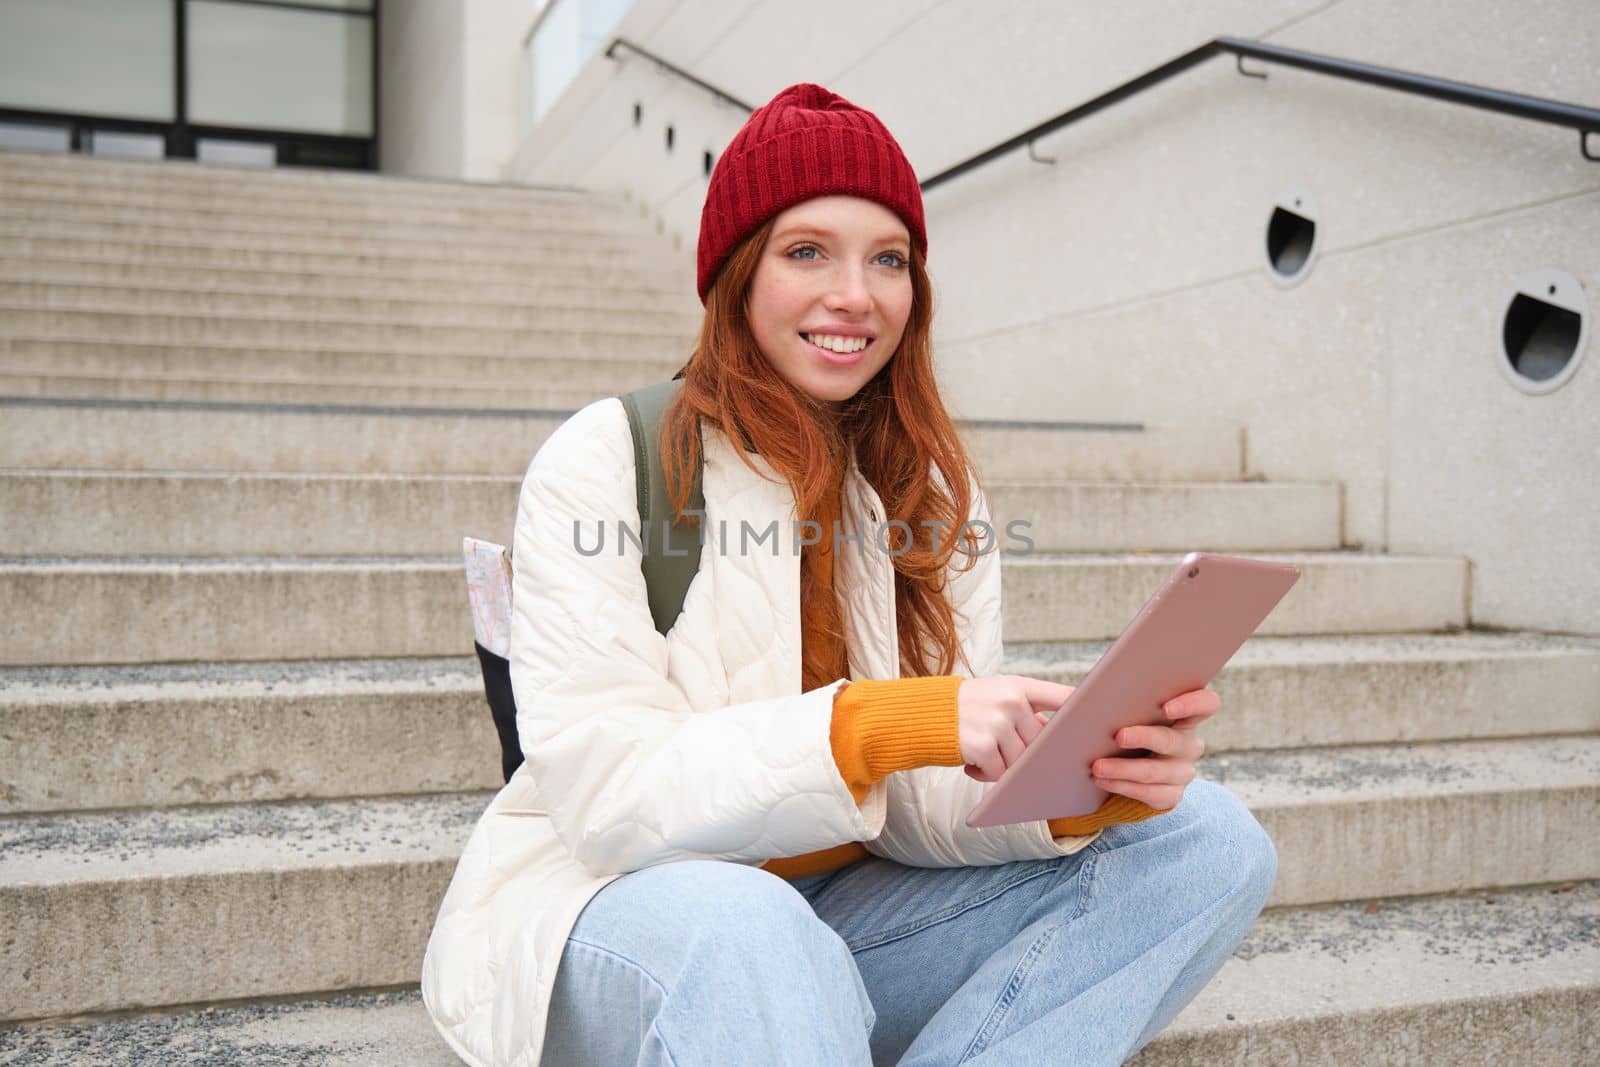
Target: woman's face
column 835, row 271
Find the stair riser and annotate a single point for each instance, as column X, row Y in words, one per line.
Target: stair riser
column 322, row 391
column 332, row 187
column 1204, row 453
column 149, row 301
column 259, row 747
column 1553, row 1026
column 1091, row 600
column 398, row 220
column 175, row 515
column 105, row 615
column 111, row 438
column 97, row 438
column 37, row 297
column 1396, row 847
column 555, row 292
column 202, row 938
column 595, row 334
column 244, row 613
column 440, row 247
column 60, row 358
column 168, row 252
column 281, row 745
column 1169, row 518
column 1308, row 704
column 33, row 196
column 96, row 947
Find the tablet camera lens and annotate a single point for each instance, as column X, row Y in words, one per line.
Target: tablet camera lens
column 1193, row 571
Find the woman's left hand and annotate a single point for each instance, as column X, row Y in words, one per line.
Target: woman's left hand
column 1160, row 779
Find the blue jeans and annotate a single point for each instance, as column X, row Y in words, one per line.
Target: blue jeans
column 1080, row 959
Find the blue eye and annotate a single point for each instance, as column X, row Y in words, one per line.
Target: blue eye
column 900, row 262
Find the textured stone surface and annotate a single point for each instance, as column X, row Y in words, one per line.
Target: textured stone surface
column 145, row 908
column 84, row 610
column 218, row 514
column 276, row 730
column 1082, row 597
column 1475, row 979
column 86, row 738
column 1478, row 979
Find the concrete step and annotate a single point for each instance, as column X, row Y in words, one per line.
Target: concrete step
column 1395, row 820
column 1294, row 692
column 285, row 730
column 1474, row 980
column 143, row 610
column 160, row 200
column 512, row 234
column 331, row 186
column 555, row 291
column 1171, row 517
column 444, row 247
column 591, row 333
column 549, row 271
column 191, row 436
column 204, row 610
column 1477, row 980
column 78, row 513
column 343, row 1030
column 465, row 269
column 212, row 903
column 147, row 908
column 45, row 358
column 248, row 732
column 1058, row 597
column 242, row 389
column 1199, row 451
column 469, row 311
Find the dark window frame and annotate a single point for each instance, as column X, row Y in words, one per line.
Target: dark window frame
column 295, row 148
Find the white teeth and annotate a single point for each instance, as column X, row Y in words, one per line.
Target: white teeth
column 843, row 345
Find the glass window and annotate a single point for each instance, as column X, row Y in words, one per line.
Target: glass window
column 127, row 145
column 562, row 42
column 33, row 137
column 236, row 153
column 99, row 57
column 279, row 69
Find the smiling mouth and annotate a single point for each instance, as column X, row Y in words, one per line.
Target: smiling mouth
column 836, row 356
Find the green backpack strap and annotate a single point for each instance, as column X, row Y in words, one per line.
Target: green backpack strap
column 669, row 563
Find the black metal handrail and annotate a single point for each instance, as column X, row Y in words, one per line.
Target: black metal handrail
column 1583, row 119
column 623, row 42
column 1586, row 120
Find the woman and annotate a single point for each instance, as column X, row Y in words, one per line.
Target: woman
column 745, row 841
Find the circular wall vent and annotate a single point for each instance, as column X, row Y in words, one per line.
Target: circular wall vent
column 1544, row 331
column 1291, row 237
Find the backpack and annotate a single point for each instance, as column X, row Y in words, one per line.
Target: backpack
column 669, row 562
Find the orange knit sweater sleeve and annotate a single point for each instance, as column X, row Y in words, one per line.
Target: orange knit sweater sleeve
column 880, row 727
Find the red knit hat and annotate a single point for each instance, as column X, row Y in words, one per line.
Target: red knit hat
column 804, row 142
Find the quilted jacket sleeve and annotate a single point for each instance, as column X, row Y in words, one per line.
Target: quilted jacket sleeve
column 628, row 773
column 925, row 825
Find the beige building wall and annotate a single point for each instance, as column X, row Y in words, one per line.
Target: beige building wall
column 421, row 97
column 449, row 86
column 1128, row 279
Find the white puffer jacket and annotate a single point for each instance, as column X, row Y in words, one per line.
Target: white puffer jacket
column 643, row 749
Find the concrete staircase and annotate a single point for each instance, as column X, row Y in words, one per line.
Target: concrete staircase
column 246, row 418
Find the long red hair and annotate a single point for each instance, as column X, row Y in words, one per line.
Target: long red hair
column 896, row 424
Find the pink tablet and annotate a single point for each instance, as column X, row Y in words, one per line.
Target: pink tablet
column 1185, row 633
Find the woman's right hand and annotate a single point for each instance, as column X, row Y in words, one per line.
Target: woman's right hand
column 999, row 716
